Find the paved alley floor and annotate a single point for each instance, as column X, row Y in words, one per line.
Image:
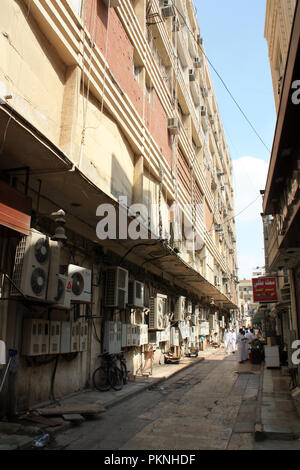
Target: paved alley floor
column 210, row 406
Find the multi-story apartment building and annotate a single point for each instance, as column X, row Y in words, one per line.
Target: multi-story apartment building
column 248, row 307
column 111, row 144
column 278, row 26
column 281, row 194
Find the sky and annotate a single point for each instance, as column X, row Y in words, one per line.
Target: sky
column 233, row 38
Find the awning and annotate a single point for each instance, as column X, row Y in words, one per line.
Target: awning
column 15, row 211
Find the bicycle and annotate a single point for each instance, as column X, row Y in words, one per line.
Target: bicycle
column 108, row 375
column 123, row 367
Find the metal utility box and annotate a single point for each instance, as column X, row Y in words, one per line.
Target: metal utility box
column 54, row 337
column 65, row 338
column 35, row 340
column 112, row 337
column 75, row 336
column 83, row 339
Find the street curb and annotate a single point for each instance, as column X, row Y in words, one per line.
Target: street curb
column 259, row 434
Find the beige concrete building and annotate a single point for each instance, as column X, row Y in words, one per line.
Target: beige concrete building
column 281, row 195
column 248, row 307
column 278, row 26
column 106, row 104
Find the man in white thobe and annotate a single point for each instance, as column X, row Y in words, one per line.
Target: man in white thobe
column 242, row 346
column 227, row 340
column 233, row 341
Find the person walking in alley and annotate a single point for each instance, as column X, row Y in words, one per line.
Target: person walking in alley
column 233, row 341
column 242, row 346
column 227, row 340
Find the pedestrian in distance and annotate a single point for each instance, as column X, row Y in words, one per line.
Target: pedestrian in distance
column 227, row 340
column 233, row 341
column 242, row 346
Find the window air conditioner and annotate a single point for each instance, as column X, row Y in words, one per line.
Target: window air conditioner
column 167, row 8
column 112, row 3
column 199, row 40
column 175, row 24
column 197, row 62
column 192, row 75
column 204, row 92
column 116, row 289
column 203, row 110
column 173, row 125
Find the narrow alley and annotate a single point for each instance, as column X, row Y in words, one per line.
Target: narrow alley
column 210, row 406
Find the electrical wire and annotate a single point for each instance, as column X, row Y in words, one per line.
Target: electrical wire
column 221, row 79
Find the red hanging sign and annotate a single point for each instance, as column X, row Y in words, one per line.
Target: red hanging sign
column 264, row 289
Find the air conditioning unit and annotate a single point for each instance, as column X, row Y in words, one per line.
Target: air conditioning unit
column 81, row 281
column 203, row 329
column 35, row 341
column 189, row 307
column 231, row 251
column 136, row 294
column 203, row 111
column 158, row 306
column 217, row 281
column 197, row 62
column 204, row 92
column 218, row 228
column 192, row 75
column 199, row 40
column 173, row 125
column 31, row 268
column 175, row 24
column 116, row 290
column 59, row 291
column 174, row 337
column 167, row 8
column 112, row 3
column 53, row 270
column 179, row 309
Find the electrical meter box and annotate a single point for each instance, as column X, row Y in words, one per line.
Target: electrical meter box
column 65, row 338
column 54, row 337
column 35, row 341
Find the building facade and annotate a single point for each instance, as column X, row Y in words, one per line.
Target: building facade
column 281, row 194
column 248, row 307
column 115, row 173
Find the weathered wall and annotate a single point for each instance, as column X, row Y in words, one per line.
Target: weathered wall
column 30, row 69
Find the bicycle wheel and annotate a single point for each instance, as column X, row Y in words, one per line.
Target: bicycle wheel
column 100, row 379
column 115, row 378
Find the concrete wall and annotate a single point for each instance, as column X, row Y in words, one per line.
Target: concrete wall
column 30, row 69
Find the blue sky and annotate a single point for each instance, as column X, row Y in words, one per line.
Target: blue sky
column 233, row 34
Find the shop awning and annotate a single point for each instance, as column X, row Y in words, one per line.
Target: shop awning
column 15, row 211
